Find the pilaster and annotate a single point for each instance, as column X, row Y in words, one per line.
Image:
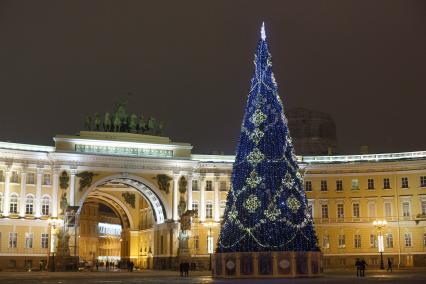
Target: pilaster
column 7, row 175
column 189, row 192
column 202, row 198
column 23, row 193
column 38, row 192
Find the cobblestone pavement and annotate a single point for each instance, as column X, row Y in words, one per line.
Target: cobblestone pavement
column 170, row 277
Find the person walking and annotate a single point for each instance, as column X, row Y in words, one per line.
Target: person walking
column 389, row 265
column 186, row 269
column 363, row 265
column 358, row 267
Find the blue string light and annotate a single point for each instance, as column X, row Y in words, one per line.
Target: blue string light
column 266, row 208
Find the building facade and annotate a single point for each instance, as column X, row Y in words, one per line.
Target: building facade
column 149, row 181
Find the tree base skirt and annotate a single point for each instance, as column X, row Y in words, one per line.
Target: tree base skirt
column 276, row 264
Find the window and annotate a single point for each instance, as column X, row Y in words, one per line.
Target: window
column 195, row 208
column 30, row 178
column 355, row 184
column 423, row 181
column 1, row 202
column 308, row 185
column 326, row 241
column 13, row 240
column 372, row 210
column 339, row 185
column 223, row 186
column 14, row 178
column 423, row 206
column 323, row 185
column 370, row 183
column 357, row 241
column 209, row 185
column 386, row 183
column 209, row 210
column 407, row 239
column 44, row 240
column 46, row 179
column 406, row 209
column 424, row 239
column 388, row 209
column 389, row 240
column 29, row 240
column 29, row 204
column 355, row 210
column 340, row 211
column 372, row 240
column 195, row 185
column 342, row 241
column 311, row 208
column 45, row 205
column 196, row 242
column 404, row 182
column 222, row 208
column 324, row 211
column 13, row 203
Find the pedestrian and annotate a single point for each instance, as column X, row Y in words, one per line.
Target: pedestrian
column 389, row 265
column 97, row 265
column 131, row 266
column 128, row 265
column 363, row 265
column 358, row 267
column 181, row 268
column 186, row 269
column 107, row 266
column 41, row 265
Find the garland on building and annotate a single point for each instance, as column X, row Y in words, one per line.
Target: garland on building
column 266, row 208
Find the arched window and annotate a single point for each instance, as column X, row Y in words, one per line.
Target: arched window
column 29, row 204
column 45, row 205
column 13, row 203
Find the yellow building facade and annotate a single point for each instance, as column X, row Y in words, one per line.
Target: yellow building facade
column 150, row 181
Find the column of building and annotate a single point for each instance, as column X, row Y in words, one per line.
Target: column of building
column 175, row 196
column 38, row 192
column 189, row 192
column 55, row 191
column 202, row 198
column 72, row 187
column 7, row 175
column 216, row 216
column 23, row 193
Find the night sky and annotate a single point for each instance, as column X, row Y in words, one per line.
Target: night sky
column 189, row 64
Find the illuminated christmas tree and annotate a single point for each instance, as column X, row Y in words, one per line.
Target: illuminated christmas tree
column 266, row 208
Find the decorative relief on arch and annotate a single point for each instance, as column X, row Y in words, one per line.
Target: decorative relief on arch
column 130, row 198
column 163, row 182
column 86, row 179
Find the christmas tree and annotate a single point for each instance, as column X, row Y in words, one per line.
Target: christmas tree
column 266, row 209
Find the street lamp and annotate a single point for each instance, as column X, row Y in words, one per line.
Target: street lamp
column 380, row 224
column 210, row 225
column 53, row 223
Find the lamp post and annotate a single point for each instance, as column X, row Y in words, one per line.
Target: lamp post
column 210, row 225
column 380, row 224
column 53, row 222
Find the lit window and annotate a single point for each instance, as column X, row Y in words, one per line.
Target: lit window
column 308, row 185
column 423, row 207
column 326, row 241
column 357, row 241
column 370, row 183
column 355, row 210
column 424, row 239
column 404, row 182
column 209, row 185
column 407, row 239
column 13, row 203
column 209, row 210
column 311, row 208
column 223, row 186
column 340, row 211
column 339, row 185
column 14, row 178
column 195, row 185
column 324, row 211
column 45, row 206
column 372, row 240
column 406, row 209
column 13, row 240
column 222, row 208
column 1, row 202
column 29, row 204
column 389, row 240
column 195, row 208
column 388, row 209
column 423, row 181
column 372, row 210
column 196, row 242
column 44, row 240
column 355, row 184
column 29, row 240
column 342, row 241
column 323, row 185
column 386, row 183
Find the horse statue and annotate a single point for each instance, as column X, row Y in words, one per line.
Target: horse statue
column 107, row 122
column 97, row 122
column 117, row 123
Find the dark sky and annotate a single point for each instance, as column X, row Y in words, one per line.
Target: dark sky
column 189, row 63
